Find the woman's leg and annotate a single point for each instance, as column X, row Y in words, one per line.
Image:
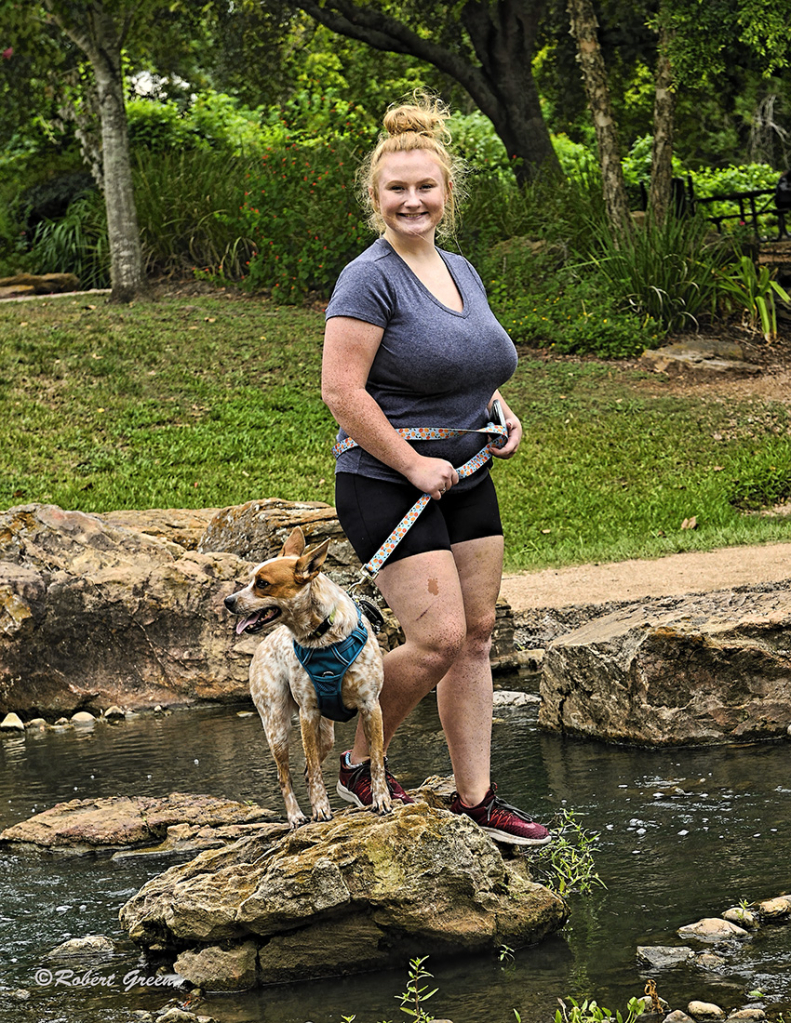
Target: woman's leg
column 424, row 593
column 464, row 695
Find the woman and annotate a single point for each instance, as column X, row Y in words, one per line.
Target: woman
column 410, row 341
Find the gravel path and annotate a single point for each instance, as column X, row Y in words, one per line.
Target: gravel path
column 691, row 572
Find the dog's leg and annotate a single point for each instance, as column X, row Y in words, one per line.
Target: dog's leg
column 310, row 723
column 326, row 738
column 296, row 818
column 273, row 701
column 371, row 716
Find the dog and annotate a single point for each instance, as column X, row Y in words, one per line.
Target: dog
column 316, row 613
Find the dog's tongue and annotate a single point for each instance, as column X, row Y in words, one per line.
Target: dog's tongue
column 254, row 619
column 243, row 623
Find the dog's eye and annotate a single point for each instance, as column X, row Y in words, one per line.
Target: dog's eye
column 261, row 584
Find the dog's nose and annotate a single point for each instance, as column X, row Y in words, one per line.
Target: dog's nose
column 230, row 601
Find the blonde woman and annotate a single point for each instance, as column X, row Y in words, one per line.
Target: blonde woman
column 411, row 342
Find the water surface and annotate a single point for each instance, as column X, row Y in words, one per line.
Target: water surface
column 685, row 833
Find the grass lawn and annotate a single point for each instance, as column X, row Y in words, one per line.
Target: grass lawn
column 209, row 401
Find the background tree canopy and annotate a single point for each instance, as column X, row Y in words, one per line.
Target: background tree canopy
column 212, row 96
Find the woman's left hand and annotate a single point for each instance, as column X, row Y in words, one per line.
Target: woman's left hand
column 514, row 428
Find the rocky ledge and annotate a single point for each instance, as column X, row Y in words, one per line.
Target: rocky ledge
column 708, row 668
column 181, row 822
column 357, row 893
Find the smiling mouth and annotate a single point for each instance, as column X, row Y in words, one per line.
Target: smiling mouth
column 257, row 621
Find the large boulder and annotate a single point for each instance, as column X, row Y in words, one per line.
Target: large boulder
column 257, row 530
column 346, row 896
column 706, row 669
column 126, row 608
column 94, row 614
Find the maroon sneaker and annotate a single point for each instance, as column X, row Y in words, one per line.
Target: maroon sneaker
column 503, row 822
column 354, row 782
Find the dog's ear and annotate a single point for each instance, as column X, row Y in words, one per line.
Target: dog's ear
column 309, row 565
column 294, row 545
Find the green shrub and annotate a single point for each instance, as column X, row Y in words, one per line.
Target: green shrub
column 212, row 121
column 157, row 125
column 77, row 243
column 663, row 272
column 300, row 211
column 188, row 212
column 570, row 325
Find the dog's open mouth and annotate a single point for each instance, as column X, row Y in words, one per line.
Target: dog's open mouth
column 259, row 620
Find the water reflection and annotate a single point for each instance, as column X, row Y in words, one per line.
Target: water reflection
column 684, row 834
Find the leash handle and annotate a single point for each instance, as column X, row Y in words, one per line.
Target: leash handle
column 370, row 569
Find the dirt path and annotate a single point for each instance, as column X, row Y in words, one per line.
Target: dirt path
column 691, row 572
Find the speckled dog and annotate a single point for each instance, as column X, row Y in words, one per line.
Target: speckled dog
column 315, row 612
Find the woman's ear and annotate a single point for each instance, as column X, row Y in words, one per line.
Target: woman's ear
column 373, row 197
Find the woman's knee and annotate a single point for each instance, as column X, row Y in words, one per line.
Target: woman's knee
column 438, row 651
column 478, row 636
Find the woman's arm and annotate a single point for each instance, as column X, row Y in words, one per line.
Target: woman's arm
column 349, row 349
column 514, row 429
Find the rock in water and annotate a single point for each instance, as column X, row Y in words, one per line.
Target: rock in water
column 356, row 893
column 713, row 668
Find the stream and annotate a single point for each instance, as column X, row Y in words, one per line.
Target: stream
column 685, row 833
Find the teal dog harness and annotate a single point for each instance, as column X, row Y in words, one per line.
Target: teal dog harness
column 326, row 667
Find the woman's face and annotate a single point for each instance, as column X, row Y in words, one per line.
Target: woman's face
column 410, row 194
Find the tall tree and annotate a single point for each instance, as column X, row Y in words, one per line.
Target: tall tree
column 100, row 28
column 487, row 46
column 584, row 28
column 660, row 193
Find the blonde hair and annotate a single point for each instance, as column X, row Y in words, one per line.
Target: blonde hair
column 410, row 126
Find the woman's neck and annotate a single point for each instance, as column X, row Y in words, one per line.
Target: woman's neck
column 417, row 249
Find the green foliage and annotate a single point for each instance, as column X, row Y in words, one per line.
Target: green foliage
column 187, row 209
column 567, row 865
column 577, row 319
column 157, row 125
column 416, row 994
column 665, row 272
column 761, row 477
column 735, row 178
column 637, row 164
column 300, row 211
column 590, row 1011
column 212, row 121
column 77, row 243
column 752, row 289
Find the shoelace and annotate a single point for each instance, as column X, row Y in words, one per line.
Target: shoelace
column 496, row 804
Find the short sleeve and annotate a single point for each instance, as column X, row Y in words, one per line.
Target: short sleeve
column 362, row 292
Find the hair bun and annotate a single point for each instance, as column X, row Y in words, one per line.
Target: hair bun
column 424, row 117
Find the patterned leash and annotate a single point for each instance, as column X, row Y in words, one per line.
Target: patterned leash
column 500, row 435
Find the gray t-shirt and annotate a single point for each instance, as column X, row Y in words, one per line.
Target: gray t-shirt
column 434, row 366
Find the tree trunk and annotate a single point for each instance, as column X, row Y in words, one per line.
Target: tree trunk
column 597, row 90
column 126, row 260
column 662, row 150
column 100, row 38
column 503, row 35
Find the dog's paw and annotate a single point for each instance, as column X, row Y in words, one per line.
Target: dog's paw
column 382, row 807
column 297, row 822
column 322, row 815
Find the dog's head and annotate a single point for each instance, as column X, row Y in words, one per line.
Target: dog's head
column 278, row 586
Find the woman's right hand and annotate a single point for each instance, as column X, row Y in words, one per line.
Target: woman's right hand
column 433, row 476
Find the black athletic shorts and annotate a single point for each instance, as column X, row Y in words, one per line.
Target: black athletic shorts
column 370, row 509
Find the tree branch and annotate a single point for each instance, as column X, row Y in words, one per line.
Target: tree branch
column 384, row 32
